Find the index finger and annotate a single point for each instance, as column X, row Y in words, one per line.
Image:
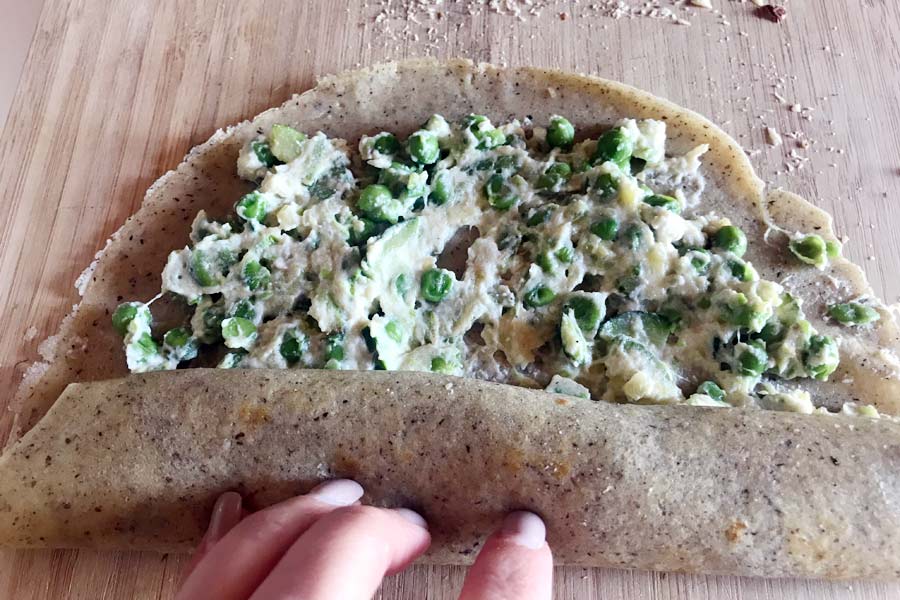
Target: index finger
column 236, row 565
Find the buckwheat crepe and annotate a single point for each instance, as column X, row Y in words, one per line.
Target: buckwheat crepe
column 137, row 462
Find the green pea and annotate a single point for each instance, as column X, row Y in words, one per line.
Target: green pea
column 741, row 270
column 492, row 138
column 606, row 228
column 436, row 284
column 753, row 360
column 243, row 308
column 439, row 365
column 638, row 325
column 256, row 276
column 671, row 314
column 740, row 313
column 294, row 345
column 124, row 315
column 474, row 121
column 360, row 235
column 606, row 186
column 394, row 330
column 539, row 217
column 224, row 260
column 613, row 146
column 821, row 357
column 386, row 143
column 334, row 348
column 404, row 181
column 634, row 236
column 182, row 343
column 202, row 270
column 487, row 135
column 560, row 132
column 539, row 296
column 663, row 201
column 286, row 142
column 402, row 284
column 146, row 345
column 377, row 202
column 810, row 249
column 555, row 175
column 711, row 389
column 264, row 153
column 498, row 193
column 441, row 188
column 484, row 165
column 773, row 331
column 849, row 313
column 178, row 337
column 565, row 254
column 422, row 147
column 700, row 260
column 252, row 207
column 629, row 283
column 506, row 164
column 587, row 313
column 731, row 239
column 238, row 327
column 373, row 196
column 832, row 249
column 545, row 262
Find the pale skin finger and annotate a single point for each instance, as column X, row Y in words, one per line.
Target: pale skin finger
column 514, row 564
column 227, row 512
column 234, row 567
column 346, row 554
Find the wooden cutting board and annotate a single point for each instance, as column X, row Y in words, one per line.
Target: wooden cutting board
column 115, row 93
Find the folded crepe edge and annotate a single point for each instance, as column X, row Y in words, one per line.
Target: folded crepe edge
column 136, row 463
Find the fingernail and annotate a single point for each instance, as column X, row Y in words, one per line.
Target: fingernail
column 412, row 516
column 525, row 529
column 338, row 492
column 225, row 514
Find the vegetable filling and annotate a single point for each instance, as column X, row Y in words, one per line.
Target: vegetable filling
column 505, row 252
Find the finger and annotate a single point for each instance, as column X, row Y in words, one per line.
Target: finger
column 514, row 564
column 226, row 513
column 236, row 565
column 346, row 554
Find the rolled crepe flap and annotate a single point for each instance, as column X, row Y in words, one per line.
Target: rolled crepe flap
column 137, row 463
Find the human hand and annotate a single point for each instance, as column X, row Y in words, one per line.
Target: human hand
column 326, row 545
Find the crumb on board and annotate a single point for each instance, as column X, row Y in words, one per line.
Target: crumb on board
column 772, row 12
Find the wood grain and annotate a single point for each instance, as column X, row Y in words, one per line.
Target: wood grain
column 114, row 93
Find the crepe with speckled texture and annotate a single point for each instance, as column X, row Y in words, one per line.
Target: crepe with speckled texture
column 399, row 97
column 138, row 462
column 735, row 460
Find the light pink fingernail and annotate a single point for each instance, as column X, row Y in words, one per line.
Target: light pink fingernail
column 412, row 516
column 338, row 492
column 225, row 515
column 525, row 529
